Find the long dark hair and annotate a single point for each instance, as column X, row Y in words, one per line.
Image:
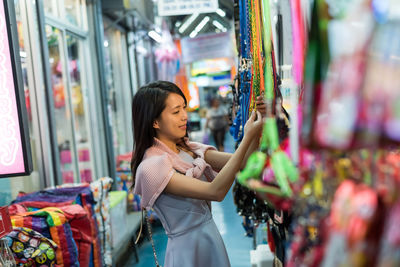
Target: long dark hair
column 147, row 105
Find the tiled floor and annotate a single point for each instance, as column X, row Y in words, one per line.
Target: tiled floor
column 229, row 225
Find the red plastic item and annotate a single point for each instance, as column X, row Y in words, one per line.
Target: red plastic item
column 5, row 222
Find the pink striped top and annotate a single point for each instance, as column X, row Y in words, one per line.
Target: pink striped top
column 160, row 163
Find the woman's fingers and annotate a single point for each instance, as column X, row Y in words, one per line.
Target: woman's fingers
column 261, row 106
column 259, row 117
column 252, row 116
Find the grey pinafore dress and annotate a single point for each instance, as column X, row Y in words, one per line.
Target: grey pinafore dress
column 193, row 237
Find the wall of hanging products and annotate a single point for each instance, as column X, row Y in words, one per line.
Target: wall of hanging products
column 257, row 76
column 341, row 196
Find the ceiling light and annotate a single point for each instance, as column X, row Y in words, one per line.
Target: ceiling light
column 198, row 28
column 218, row 25
column 193, row 34
column 178, row 23
column 105, row 43
column 155, row 36
column 202, row 24
column 188, row 22
column 220, row 12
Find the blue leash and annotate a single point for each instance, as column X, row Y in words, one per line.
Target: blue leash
column 245, row 73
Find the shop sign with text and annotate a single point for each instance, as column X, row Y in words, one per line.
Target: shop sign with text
column 184, row 7
column 214, row 45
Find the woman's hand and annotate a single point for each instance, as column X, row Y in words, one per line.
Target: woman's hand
column 253, row 125
column 261, row 106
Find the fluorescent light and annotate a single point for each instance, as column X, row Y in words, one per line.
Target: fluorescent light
column 202, row 23
column 198, row 28
column 178, row 23
column 224, row 29
column 220, row 12
column 156, row 37
column 193, row 34
column 105, row 43
column 218, row 25
column 188, row 22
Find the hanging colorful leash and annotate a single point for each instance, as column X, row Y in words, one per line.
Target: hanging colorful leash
column 244, row 72
column 283, row 168
column 257, row 86
column 298, row 41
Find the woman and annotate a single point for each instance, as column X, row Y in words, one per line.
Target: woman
column 177, row 177
column 217, row 122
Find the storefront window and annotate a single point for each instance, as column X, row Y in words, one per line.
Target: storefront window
column 119, row 92
column 71, row 116
column 81, row 128
column 69, row 10
column 63, row 116
column 73, row 11
column 50, row 7
column 112, row 102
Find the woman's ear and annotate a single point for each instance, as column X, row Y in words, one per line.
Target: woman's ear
column 156, row 125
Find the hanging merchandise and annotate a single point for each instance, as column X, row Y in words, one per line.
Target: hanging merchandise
column 245, row 66
column 317, row 58
column 337, row 111
column 349, row 101
column 343, row 194
column 271, row 153
column 269, row 172
column 100, row 189
column 167, row 55
column 348, row 205
column 299, row 40
column 257, row 84
column 379, row 116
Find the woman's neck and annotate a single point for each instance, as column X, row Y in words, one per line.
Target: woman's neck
column 169, row 143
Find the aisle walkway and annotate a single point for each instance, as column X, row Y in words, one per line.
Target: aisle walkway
column 229, row 225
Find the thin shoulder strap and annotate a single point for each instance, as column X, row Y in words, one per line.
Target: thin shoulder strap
column 151, row 236
column 141, row 228
column 151, row 240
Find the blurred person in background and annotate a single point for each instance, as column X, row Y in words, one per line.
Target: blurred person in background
column 217, row 122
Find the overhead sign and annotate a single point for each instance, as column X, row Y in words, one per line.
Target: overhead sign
column 183, row 7
column 207, row 46
column 15, row 157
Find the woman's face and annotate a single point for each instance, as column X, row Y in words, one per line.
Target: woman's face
column 172, row 122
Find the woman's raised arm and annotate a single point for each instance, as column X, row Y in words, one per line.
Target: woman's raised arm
column 217, row 189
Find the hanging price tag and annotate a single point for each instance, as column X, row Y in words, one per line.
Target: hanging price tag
column 5, row 221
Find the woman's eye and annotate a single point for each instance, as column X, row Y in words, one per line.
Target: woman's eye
column 176, row 112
